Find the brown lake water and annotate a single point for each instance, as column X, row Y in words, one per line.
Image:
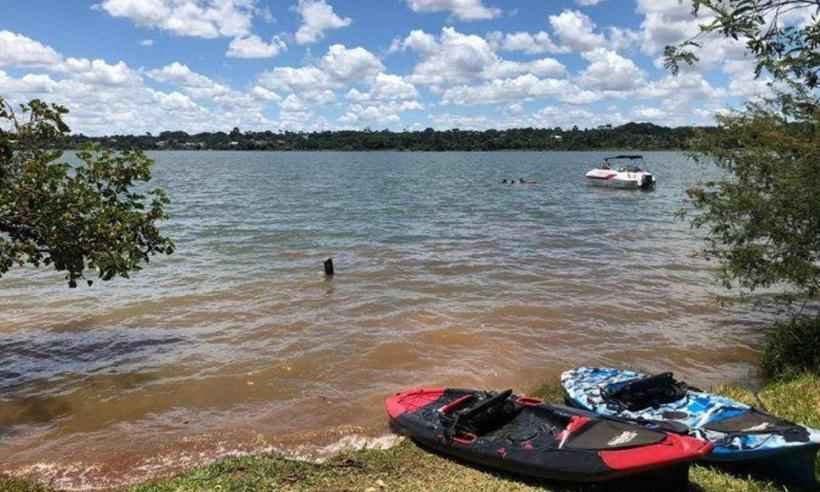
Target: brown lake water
column 237, row 343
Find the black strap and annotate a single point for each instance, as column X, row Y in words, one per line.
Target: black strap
column 488, row 413
column 487, row 404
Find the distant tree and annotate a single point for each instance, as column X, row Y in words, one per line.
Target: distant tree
column 762, row 218
column 74, row 218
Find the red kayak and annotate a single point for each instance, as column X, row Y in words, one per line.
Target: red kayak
column 528, row 437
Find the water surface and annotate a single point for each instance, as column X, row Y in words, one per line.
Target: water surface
column 444, row 276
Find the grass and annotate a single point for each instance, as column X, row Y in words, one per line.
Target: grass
column 408, row 468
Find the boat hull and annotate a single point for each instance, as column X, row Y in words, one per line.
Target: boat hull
column 621, row 180
column 614, row 183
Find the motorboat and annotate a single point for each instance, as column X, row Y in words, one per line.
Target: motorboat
column 622, row 171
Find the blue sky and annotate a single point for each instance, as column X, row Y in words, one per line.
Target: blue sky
column 133, row 66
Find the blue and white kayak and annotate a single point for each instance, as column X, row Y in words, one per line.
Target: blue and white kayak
column 742, row 435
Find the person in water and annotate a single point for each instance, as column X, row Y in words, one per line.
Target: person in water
column 504, row 181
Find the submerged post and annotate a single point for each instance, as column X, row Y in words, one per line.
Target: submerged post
column 329, row 267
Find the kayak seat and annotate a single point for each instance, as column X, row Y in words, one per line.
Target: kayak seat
column 487, row 415
column 639, row 394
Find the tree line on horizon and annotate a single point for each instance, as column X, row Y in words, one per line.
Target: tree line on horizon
column 645, row 136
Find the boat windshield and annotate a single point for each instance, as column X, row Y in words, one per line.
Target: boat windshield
column 633, row 164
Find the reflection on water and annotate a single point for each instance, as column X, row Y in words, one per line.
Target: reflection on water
column 444, row 276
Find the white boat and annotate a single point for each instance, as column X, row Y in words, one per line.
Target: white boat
column 631, row 176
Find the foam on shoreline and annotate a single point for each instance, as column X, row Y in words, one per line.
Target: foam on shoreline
column 77, row 476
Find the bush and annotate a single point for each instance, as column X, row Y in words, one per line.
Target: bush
column 793, row 348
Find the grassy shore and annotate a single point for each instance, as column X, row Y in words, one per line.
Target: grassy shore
column 407, row 468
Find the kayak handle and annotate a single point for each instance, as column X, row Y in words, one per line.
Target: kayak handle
column 466, row 439
column 528, row 402
column 575, row 424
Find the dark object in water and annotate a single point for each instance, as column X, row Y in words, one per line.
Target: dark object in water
column 525, row 436
column 329, row 271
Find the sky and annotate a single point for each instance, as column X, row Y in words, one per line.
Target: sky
column 136, row 66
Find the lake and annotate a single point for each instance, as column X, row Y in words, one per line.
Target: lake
column 238, row 343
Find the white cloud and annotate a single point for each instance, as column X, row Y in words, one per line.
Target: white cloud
column 293, row 103
column 178, row 73
column 265, row 94
column 515, row 116
column 388, row 96
column 448, row 121
column 98, row 72
column 358, row 114
column 610, row 71
column 254, row 47
column 580, row 96
column 457, row 58
column 800, row 16
column 385, row 87
column 198, row 18
column 100, row 104
column 317, row 17
column 385, row 112
column 317, row 83
column 588, row 3
column 28, row 84
column 466, row 10
column 681, row 90
column 420, row 41
column 294, row 114
column 301, row 79
column 507, row 90
column 667, row 22
column 531, row 44
column 21, row 51
column 670, row 22
column 621, row 39
column 576, row 30
column 651, row 114
column 545, row 67
column 174, row 101
column 515, row 109
column 505, row 72
column 191, row 83
column 344, row 64
column 743, row 82
column 567, row 117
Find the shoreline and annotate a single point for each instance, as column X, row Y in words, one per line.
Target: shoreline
column 394, row 463
column 406, row 151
